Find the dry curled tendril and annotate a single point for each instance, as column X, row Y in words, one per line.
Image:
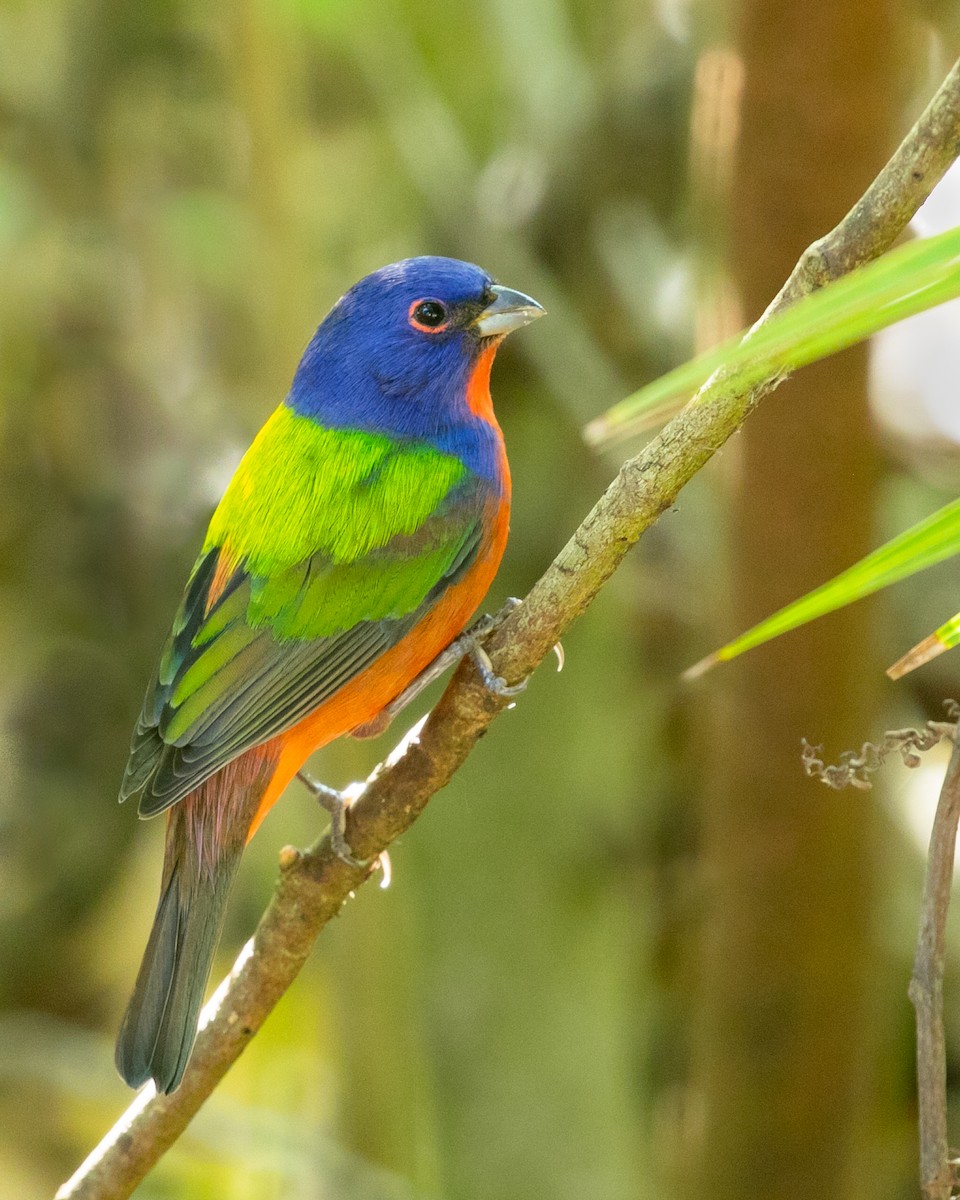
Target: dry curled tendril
column 854, row 768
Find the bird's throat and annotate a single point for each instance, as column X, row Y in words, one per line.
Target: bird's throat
column 478, row 385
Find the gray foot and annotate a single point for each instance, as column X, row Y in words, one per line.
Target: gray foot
column 471, row 643
column 336, row 804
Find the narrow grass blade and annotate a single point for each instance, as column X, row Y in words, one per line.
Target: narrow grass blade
column 902, row 283
column 945, row 638
column 930, row 541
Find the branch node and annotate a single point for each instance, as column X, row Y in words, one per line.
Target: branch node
column 289, row 857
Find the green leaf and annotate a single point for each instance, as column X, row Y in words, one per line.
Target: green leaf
column 927, row 543
column 903, row 282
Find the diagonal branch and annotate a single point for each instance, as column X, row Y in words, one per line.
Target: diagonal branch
column 313, row 885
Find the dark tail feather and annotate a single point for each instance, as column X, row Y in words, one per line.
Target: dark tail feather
column 160, row 1024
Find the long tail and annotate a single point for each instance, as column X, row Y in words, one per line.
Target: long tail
column 206, row 833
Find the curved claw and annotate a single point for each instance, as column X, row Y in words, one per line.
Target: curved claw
column 491, row 681
column 500, row 687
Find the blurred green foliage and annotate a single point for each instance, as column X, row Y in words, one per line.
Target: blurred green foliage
column 185, row 188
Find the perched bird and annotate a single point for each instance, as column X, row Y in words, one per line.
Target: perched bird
column 356, row 539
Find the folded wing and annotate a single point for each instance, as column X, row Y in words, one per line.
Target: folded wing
column 253, row 652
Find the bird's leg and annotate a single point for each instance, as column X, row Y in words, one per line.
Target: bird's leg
column 336, row 804
column 470, row 643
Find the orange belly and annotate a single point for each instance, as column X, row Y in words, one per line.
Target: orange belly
column 364, row 697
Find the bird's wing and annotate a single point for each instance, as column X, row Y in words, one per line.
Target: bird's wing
column 287, row 605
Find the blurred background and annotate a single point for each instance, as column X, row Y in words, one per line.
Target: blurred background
column 630, row 951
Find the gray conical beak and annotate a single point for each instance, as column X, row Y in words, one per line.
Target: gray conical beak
column 510, row 310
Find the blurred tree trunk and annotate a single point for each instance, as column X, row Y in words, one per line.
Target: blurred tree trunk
column 785, row 1034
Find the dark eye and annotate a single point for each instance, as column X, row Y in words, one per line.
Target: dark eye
column 428, row 314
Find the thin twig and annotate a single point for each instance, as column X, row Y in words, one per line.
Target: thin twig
column 937, row 1173
column 315, row 884
column 926, row 989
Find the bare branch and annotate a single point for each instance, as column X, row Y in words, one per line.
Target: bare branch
column 938, row 1175
column 888, row 203
column 315, row 884
column 926, row 990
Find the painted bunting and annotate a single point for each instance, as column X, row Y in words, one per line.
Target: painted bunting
column 356, row 539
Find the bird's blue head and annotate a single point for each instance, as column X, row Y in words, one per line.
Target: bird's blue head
column 396, row 354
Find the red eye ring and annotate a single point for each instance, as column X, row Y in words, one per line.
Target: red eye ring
column 429, row 316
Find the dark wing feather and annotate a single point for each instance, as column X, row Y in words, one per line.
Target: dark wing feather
column 248, row 684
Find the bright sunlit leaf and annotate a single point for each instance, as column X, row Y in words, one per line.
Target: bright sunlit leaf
column 902, row 283
column 931, row 541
